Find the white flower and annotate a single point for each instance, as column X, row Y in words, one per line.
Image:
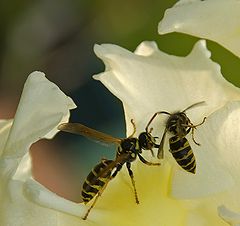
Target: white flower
column 148, row 81
column 217, row 20
column 23, row 201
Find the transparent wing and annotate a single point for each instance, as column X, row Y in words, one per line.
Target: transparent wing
column 160, row 154
column 77, row 128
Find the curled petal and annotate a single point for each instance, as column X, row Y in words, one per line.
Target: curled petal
column 229, row 216
column 43, row 106
column 217, row 20
column 43, row 197
column 36, row 116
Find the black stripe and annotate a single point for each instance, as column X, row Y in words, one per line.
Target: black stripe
column 91, row 177
column 86, row 197
column 182, row 153
column 99, row 168
column 87, row 188
column 190, row 168
column 176, row 143
column 186, row 161
column 99, row 182
column 97, row 185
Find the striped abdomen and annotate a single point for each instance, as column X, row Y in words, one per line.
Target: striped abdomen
column 96, row 180
column 183, row 154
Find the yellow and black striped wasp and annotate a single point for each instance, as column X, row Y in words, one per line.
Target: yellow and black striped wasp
column 128, row 149
column 179, row 125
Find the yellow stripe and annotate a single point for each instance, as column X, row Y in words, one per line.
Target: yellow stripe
column 90, row 193
column 186, row 156
column 104, row 179
column 192, row 160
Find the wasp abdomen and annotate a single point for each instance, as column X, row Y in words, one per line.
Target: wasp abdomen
column 96, row 180
column 183, row 154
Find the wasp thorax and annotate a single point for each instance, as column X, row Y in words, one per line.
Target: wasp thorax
column 146, row 141
column 129, row 144
column 177, row 122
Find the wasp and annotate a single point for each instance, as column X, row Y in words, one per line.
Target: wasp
column 128, row 149
column 179, row 125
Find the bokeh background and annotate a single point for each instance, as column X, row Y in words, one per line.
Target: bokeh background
column 57, row 37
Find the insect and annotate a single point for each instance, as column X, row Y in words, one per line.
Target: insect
column 128, row 149
column 179, row 125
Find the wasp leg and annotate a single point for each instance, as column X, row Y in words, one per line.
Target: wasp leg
column 95, row 200
column 151, row 150
column 192, row 132
column 118, row 168
column 130, row 172
column 148, row 163
column 134, row 128
column 193, row 127
column 204, row 119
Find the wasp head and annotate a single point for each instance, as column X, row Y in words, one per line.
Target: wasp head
column 146, row 141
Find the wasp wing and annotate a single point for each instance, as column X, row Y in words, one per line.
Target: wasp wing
column 77, row 128
column 160, row 154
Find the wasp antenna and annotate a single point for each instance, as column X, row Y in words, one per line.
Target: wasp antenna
column 154, row 116
column 134, row 128
column 194, row 105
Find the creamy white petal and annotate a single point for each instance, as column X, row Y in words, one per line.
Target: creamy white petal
column 152, row 80
column 23, row 201
column 229, row 216
column 19, row 207
column 146, row 48
column 43, row 197
column 218, row 159
column 217, row 20
column 5, row 126
column 41, row 108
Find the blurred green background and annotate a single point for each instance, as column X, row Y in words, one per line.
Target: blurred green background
column 57, row 37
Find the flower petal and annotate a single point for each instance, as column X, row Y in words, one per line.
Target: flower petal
column 229, row 216
column 41, row 108
column 43, row 197
column 23, row 201
column 218, row 158
column 30, row 204
column 5, row 126
column 217, row 20
column 150, row 81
